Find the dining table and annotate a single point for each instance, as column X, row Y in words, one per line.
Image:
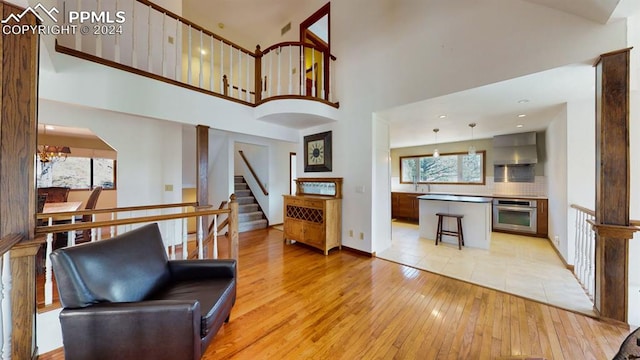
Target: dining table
column 60, row 239
column 55, row 207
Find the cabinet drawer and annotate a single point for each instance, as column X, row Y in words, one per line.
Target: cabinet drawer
column 314, row 203
column 294, row 201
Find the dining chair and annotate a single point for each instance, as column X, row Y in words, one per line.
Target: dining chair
column 92, row 201
column 54, row 193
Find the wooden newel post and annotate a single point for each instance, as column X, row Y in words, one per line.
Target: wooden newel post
column 611, row 223
column 233, row 227
column 258, row 74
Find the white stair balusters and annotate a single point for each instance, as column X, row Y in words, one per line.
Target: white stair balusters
column 584, row 267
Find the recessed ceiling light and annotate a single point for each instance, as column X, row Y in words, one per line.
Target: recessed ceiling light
column 521, row 115
column 49, row 127
column 519, row 126
column 442, row 116
column 523, row 101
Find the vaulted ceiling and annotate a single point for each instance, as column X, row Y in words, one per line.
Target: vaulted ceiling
column 244, row 21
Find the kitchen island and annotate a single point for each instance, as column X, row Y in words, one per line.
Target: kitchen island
column 476, row 224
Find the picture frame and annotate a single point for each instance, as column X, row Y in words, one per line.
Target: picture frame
column 317, row 152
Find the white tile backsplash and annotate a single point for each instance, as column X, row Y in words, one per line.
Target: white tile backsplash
column 537, row 188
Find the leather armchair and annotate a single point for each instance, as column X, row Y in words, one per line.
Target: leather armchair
column 123, row 299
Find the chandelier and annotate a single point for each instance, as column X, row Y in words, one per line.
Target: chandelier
column 47, row 153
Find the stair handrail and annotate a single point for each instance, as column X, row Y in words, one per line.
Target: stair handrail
column 253, row 173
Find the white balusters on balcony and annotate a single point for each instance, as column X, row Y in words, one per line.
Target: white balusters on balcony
column 160, row 44
column 585, row 240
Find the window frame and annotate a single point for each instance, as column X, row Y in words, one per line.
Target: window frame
column 91, row 174
column 483, row 167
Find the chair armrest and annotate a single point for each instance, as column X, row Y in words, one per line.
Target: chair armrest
column 202, row 269
column 142, row 330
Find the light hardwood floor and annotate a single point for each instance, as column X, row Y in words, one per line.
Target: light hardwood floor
column 295, row 303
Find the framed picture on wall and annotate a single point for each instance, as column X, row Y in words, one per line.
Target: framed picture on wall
column 317, row 152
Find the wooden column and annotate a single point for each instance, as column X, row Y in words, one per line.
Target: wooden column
column 18, row 132
column 23, row 299
column 611, row 223
column 202, row 164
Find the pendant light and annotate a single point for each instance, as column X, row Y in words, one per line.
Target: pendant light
column 472, row 149
column 436, row 153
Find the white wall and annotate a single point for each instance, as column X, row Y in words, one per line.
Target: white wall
column 581, row 170
column 188, row 156
column 149, row 151
column 634, row 148
column 634, row 209
column 124, row 92
column 175, row 6
column 381, row 183
column 556, row 170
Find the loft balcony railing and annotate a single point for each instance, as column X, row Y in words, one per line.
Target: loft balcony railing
column 159, row 44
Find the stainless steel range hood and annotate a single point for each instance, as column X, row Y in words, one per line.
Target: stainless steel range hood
column 515, row 149
column 514, row 157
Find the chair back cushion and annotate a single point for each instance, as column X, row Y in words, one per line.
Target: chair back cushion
column 125, row 268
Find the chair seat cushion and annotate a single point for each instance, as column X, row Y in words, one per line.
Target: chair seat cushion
column 212, row 294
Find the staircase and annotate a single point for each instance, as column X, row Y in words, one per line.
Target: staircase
column 250, row 216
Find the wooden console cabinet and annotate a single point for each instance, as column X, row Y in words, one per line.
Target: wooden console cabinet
column 314, row 215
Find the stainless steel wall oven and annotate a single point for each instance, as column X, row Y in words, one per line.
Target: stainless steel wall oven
column 515, row 215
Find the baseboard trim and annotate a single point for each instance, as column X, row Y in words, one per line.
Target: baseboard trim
column 564, row 261
column 359, row 252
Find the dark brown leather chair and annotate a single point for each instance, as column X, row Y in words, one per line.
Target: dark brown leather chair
column 123, row 299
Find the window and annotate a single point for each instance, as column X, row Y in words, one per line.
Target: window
column 78, row 173
column 453, row 168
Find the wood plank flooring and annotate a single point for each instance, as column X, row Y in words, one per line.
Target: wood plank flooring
column 295, row 303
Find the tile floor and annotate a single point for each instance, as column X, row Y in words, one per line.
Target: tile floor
column 521, row 265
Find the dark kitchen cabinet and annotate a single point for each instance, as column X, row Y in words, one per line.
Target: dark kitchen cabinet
column 543, row 218
column 405, row 205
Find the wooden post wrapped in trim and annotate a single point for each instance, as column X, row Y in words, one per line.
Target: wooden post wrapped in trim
column 258, row 74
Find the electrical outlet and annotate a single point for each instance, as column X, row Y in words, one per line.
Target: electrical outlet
column 556, row 240
column 350, row 233
column 361, row 236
